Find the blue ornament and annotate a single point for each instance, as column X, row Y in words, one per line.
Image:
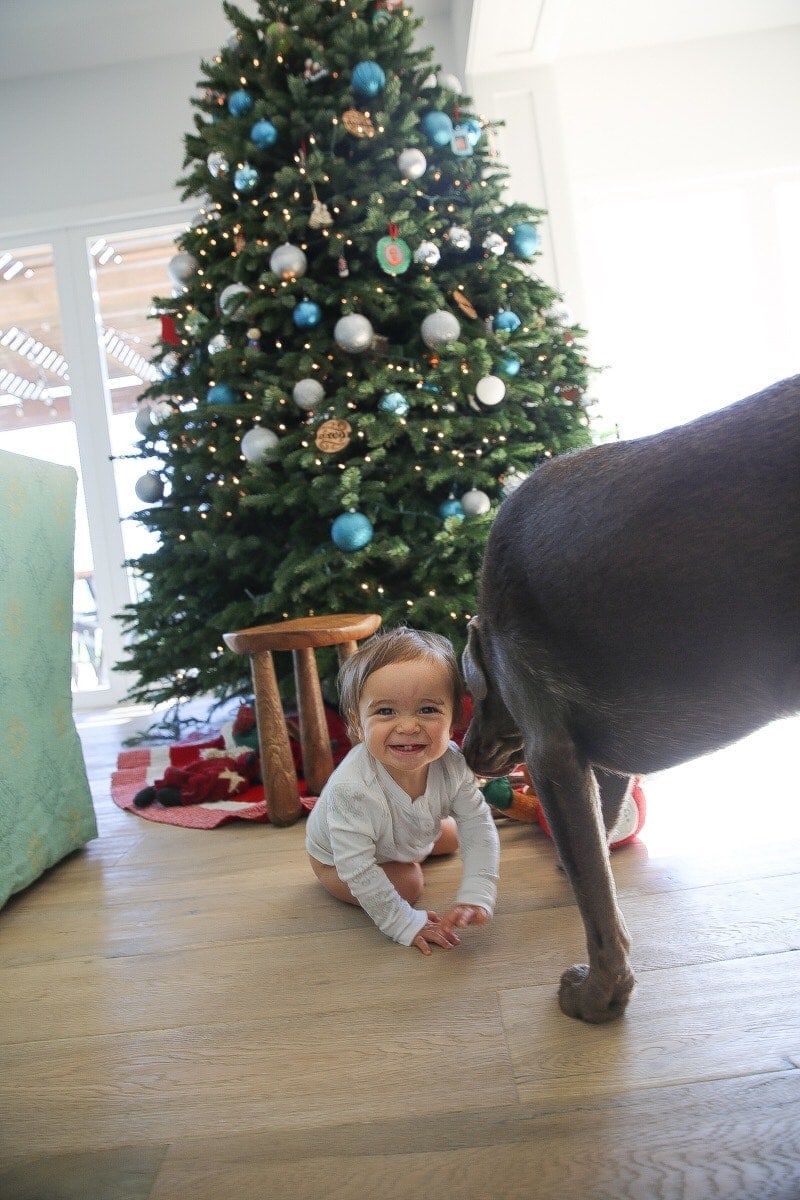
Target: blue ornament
column 307, row 314
column 451, row 508
column 473, row 129
column 264, row 134
column 245, row 179
column 221, row 393
column 525, row 240
column 239, row 103
column 438, row 128
column 506, row 321
column 509, row 364
column 394, row 402
column 368, row 79
column 351, row 531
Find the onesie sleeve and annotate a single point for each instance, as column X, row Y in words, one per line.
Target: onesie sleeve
column 354, row 822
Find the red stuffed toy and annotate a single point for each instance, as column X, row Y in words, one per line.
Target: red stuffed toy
column 216, row 777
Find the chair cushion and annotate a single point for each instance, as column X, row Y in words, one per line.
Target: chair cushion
column 45, row 803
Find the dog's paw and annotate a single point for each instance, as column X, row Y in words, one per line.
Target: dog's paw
column 588, row 998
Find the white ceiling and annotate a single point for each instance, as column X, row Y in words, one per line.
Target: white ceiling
column 41, row 37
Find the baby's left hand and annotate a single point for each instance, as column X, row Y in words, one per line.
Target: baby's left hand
column 461, row 915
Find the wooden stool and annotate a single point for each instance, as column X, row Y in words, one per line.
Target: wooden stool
column 301, row 637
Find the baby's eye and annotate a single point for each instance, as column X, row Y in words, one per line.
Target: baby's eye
column 386, row 711
column 428, row 709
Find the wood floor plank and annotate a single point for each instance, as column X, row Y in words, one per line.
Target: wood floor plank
column 735, row 1139
column 688, row 1024
column 280, row 1067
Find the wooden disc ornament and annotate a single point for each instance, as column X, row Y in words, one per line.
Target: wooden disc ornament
column 358, row 123
column 333, row 436
column 466, row 306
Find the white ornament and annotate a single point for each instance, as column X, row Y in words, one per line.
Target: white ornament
column 494, row 244
column 427, row 253
column 561, row 313
column 490, row 390
column 257, row 443
column 513, row 479
column 354, row 333
column 475, row 503
column 308, row 393
column 439, row 328
column 231, row 301
column 412, row 163
column 428, row 83
column 450, row 83
column 459, row 237
column 218, row 342
column 288, row 262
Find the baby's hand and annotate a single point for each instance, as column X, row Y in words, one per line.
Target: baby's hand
column 461, row 915
column 434, row 932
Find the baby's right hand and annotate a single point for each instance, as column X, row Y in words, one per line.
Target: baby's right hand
column 434, row 934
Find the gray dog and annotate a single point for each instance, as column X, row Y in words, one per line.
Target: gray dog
column 638, row 607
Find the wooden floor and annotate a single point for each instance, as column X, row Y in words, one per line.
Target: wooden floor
column 186, row 1014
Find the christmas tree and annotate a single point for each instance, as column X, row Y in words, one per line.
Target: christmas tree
column 358, row 359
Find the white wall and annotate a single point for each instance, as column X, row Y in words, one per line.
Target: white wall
column 107, row 140
column 672, row 178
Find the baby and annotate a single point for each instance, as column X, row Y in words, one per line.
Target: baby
column 403, row 792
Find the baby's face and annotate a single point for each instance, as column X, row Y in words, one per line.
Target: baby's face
column 406, row 718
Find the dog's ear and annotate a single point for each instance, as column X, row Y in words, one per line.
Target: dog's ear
column 473, row 664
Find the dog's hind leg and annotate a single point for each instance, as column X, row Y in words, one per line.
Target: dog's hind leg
column 613, row 790
column 568, row 792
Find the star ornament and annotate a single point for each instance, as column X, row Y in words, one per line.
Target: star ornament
column 233, row 779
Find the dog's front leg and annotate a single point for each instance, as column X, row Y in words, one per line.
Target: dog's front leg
column 566, row 788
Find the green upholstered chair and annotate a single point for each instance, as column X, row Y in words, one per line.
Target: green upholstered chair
column 45, row 803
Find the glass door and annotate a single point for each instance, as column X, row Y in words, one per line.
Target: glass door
column 76, row 337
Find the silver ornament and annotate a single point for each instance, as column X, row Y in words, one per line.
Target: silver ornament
column 218, row 342
column 412, row 163
column 181, row 267
column 459, row 237
column 494, row 244
column 218, row 164
column 354, row 333
column 439, row 328
column 308, row 394
column 144, row 420
column 475, row 503
column 427, row 253
column 149, row 488
column 288, row 262
column 258, row 443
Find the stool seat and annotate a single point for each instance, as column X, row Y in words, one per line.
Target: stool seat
column 302, row 636
column 305, row 631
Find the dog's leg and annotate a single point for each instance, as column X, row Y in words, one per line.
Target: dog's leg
column 568, row 793
column 613, row 790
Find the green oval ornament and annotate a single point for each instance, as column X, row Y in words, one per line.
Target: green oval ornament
column 394, row 255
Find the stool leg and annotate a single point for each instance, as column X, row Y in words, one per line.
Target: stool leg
column 277, row 765
column 346, row 649
column 314, row 736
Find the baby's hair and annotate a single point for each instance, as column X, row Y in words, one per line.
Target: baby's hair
column 395, row 646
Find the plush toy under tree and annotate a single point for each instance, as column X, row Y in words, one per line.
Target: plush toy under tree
column 359, row 358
